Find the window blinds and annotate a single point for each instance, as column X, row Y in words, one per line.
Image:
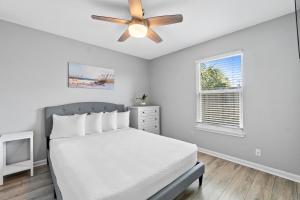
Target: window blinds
column 220, row 91
column 221, row 109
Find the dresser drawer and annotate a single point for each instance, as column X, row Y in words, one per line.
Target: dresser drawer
column 148, row 119
column 156, row 131
column 148, row 125
column 151, row 129
column 148, row 111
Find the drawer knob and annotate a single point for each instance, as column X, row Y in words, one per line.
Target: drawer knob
column 143, row 129
column 143, row 120
column 143, row 112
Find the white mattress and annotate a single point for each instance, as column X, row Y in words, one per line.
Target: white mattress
column 125, row 164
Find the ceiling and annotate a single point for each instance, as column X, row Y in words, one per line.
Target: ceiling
column 202, row 20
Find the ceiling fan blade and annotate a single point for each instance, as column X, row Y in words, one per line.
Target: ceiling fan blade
column 164, row 20
column 153, row 36
column 124, row 36
column 136, row 9
column 110, row 19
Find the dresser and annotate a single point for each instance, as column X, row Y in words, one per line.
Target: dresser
column 145, row 118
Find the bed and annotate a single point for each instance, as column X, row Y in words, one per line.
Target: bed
column 121, row 164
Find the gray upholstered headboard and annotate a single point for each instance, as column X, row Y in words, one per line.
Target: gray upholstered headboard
column 77, row 108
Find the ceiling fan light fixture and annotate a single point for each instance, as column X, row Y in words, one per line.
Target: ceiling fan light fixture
column 138, row 30
column 138, row 26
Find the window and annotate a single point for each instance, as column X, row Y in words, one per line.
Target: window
column 220, row 94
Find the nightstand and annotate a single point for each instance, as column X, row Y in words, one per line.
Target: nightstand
column 145, row 118
column 19, row 166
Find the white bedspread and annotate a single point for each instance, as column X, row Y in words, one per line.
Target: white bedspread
column 126, row 164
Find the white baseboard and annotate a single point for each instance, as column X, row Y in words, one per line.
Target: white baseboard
column 40, row 163
column 270, row 170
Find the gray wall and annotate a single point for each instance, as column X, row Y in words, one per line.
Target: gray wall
column 33, row 75
column 271, row 94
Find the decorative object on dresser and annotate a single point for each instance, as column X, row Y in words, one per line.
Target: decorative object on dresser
column 145, row 118
column 19, row 166
column 142, row 100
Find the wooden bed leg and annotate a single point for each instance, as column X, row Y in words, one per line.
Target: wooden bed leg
column 200, row 181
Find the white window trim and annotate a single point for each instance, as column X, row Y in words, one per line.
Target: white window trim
column 220, row 130
column 239, row 132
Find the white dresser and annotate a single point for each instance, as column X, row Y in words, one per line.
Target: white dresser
column 145, row 118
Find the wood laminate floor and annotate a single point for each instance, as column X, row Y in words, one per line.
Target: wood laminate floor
column 223, row 180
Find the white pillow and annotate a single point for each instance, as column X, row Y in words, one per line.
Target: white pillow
column 68, row 126
column 109, row 121
column 93, row 123
column 123, row 119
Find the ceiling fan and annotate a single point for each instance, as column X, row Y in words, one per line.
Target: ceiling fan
column 138, row 26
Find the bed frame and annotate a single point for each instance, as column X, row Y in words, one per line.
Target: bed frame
column 169, row 192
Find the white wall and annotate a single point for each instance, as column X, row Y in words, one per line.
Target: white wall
column 271, row 94
column 33, row 75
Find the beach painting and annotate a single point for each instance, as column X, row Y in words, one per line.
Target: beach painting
column 86, row 76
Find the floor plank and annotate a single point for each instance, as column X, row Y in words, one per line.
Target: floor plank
column 240, row 184
column 212, row 164
column 39, row 193
column 49, row 196
column 284, row 189
column 261, row 187
column 12, row 181
column 26, row 187
column 216, row 186
column 206, row 159
column 211, row 168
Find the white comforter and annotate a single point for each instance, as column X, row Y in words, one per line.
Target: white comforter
column 123, row 164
